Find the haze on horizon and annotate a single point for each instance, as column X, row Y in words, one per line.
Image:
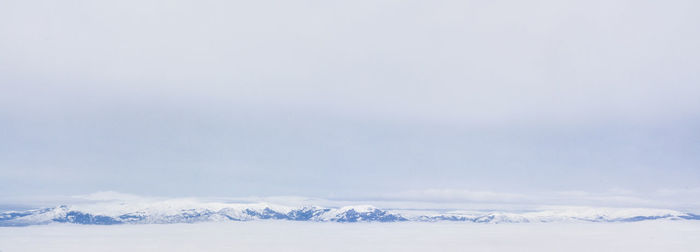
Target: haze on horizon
column 348, row 98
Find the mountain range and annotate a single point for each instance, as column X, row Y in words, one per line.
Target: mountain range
column 174, row 211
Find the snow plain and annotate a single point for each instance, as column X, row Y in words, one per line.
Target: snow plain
column 660, row 235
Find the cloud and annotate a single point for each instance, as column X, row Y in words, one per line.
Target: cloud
column 456, row 195
column 111, row 196
column 345, row 98
column 475, row 62
column 666, row 198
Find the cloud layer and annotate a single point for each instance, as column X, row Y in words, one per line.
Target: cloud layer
column 339, row 98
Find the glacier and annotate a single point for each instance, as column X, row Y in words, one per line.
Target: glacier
column 191, row 211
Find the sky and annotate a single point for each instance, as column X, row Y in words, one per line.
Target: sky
column 349, row 99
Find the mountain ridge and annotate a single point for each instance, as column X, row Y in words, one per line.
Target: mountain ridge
column 165, row 212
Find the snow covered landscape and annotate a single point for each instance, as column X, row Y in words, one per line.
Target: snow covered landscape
column 114, row 208
column 677, row 236
column 118, row 222
column 192, row 211
column 350, row 125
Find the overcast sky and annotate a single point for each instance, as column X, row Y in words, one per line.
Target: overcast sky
column 348, row 98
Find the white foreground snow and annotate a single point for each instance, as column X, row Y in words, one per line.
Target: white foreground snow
column 314, row 236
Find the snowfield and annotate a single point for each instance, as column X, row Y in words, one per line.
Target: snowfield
column 279, row 235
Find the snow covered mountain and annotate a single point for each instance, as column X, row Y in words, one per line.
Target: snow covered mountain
column 160, row 214
column 189, row 211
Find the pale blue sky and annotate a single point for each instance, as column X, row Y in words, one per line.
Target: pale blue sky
column 348, row 98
